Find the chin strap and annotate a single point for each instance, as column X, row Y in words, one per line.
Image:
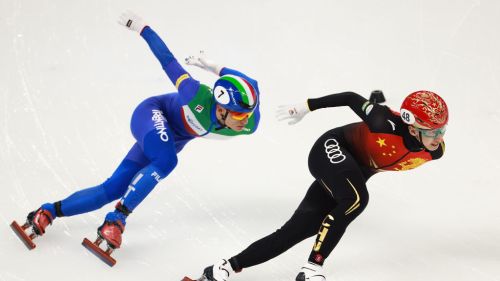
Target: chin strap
column 420, row 139
column 223, row 123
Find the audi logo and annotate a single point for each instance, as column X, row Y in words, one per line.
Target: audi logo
column 333, row 151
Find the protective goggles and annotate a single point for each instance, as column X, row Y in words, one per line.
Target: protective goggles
column 240, row 115
column 432, row 133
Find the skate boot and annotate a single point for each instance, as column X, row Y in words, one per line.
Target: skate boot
column 111, row 232
column 38, row 221
column 311, row 272
column 217, row 272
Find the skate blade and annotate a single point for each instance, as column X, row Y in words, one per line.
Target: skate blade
column 19, row 231
column 98, row 252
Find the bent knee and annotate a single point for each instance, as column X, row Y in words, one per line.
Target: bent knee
column 349, row 208
column 166, row 164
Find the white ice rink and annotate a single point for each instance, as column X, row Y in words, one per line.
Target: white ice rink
column 70, row 77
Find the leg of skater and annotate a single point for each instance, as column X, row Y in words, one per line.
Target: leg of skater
column 352, row 197
column 154, row 136
column 303, row 224
column 334, row 200
column 92, row 198
column 339, row 173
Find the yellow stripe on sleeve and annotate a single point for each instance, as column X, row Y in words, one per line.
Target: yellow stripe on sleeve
column 180, row 79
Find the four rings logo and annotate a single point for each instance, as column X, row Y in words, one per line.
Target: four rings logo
column 333, row 151
column 159, row 123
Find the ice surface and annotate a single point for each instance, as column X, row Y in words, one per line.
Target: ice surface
column 70, row 78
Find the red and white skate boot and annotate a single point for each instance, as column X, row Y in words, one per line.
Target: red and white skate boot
column 111, row 232
column 38, row 221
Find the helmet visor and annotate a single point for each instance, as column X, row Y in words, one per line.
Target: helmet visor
column 240, row 115
column 432, row 133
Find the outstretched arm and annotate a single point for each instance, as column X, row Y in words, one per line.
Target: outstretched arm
column 351, row 99
column 360, row 105
column 172, row 68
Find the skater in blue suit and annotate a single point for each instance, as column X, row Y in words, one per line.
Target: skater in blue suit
column 161, row 126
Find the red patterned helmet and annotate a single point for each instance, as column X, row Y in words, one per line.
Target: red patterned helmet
column 426, row 109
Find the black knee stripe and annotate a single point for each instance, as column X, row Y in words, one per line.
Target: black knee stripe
column 122, row 209
column 57, row 206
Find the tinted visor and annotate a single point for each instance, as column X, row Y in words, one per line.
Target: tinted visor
column 432, row 133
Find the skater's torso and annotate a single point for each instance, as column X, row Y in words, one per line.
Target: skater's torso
column 387, row 149
column 190, row 112
column 382, row 141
